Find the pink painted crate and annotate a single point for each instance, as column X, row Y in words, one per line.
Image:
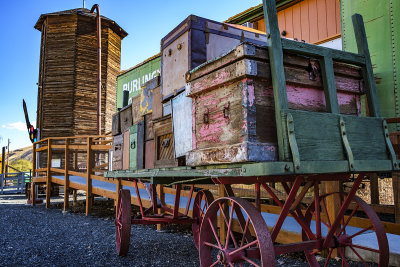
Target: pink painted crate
column 233, row 107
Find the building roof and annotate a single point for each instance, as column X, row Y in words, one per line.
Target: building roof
column 83, row 12
column 140, row 64
column 257, row 11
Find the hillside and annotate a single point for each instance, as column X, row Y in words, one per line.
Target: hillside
column 21, row 153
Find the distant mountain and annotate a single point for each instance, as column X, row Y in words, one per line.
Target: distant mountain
column 21, row 153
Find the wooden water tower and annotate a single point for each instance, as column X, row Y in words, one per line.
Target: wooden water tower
column 67, row 87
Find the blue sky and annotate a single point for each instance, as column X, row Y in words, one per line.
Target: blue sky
column 145, row 21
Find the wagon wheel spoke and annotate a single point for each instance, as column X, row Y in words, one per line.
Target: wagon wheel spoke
column 214, row 264
column 343, row 230
column 244, row 247
column 326, row 212
column 358, row 255
column 215, row 233
column 246, row 227
column 229, row 231
column 343, row 257
column 201, row 203
column 227, row 224
column 362, row 231
column 364, row 248
column 211, row 245
column 329, row 257
column 250, row 261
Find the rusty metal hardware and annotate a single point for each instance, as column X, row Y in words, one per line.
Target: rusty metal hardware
column 170, row 52
column 226, row 110
column 165, row 143
column 133, row 144
column 284, row 33
column 313, row 69
column 179, row 46
column 205, row 116
column 346, row 144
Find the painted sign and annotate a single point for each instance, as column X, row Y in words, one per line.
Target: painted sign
column 133, row 79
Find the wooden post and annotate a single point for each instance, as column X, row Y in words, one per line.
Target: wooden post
column 374, row 186
column 48, row 180
column 221, row 222
column 89, row 165
column 66, row 175
column 396, row 195
column 161, row 195
column 3, row 160
column 332, row 204
column 74, row 197
column 33, row 189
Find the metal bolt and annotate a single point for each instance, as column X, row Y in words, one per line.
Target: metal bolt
column 297, row 167
column 342, row 123
column 268, row 35
column 387, row 135
column 291, row 131
column 352, row 166
column 244, row 169
column 287, row 167
column 344, row 133
column 290, row 121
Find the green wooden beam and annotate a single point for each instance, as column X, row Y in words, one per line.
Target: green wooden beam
column 368, row 74
column 277, row 68
column 328, row 81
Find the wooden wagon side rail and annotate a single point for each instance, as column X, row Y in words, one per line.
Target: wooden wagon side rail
column 87, row 146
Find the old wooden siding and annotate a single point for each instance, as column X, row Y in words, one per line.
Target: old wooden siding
column 313, row 21
column 67, row 98
column 55, row 116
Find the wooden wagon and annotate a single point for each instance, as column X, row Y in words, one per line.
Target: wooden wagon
column 313, row 148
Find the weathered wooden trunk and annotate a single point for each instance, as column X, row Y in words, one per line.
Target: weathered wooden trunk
column 126, row 150
column 116, row 126
column 233, row 103
column 182, row 124
column 118, row 143
column 149, row 154
column 136, row 147
column 126, row 118
column 164, row 143
column 193, row 42
column 136, row 115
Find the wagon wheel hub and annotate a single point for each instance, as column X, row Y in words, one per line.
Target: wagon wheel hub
column 344, row 240
column 226, row 256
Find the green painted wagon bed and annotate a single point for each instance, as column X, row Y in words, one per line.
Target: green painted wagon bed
column 314, row 148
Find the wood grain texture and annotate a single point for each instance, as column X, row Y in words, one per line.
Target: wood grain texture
column 67, row 96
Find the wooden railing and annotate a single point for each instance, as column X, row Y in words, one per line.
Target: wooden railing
column 82, row 156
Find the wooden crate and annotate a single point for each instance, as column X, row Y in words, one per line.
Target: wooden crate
column 193, row 42
column 125, row 116
column 157, row 104
column 148, row 127
column 126, row 150
column 136, row 147
column 182, row 124
column 118, row 142
column 136, row 115
column 146, row 95
column 149, row 154
column 116, row 126
column 233, row 113
column 164, row 143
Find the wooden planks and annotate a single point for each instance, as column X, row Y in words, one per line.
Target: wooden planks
column 67, row 94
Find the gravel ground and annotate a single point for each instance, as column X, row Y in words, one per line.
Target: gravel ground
column 36, row 236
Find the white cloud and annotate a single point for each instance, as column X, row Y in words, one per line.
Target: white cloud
column 19, row 126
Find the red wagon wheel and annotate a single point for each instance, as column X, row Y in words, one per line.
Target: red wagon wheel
column 200, row 205
column 247, row 239
column 348, row 237
column 123, row 222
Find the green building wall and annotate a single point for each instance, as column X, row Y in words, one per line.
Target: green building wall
column 382, row 25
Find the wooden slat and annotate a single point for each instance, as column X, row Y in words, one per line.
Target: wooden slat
column 57, row 170
column 74, row 173
column 41, row 149
column 48, row 180
column 328, row 78
column 276, row 64
column 368, row 74
column 104, row 193
column 101, row 147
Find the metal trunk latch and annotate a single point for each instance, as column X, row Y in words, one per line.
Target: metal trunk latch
column 312, row 69
column 226, row 110
column 133, row 144
column 165, row 143
column 292, row 142
column 205, row 116
column 346, row 144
